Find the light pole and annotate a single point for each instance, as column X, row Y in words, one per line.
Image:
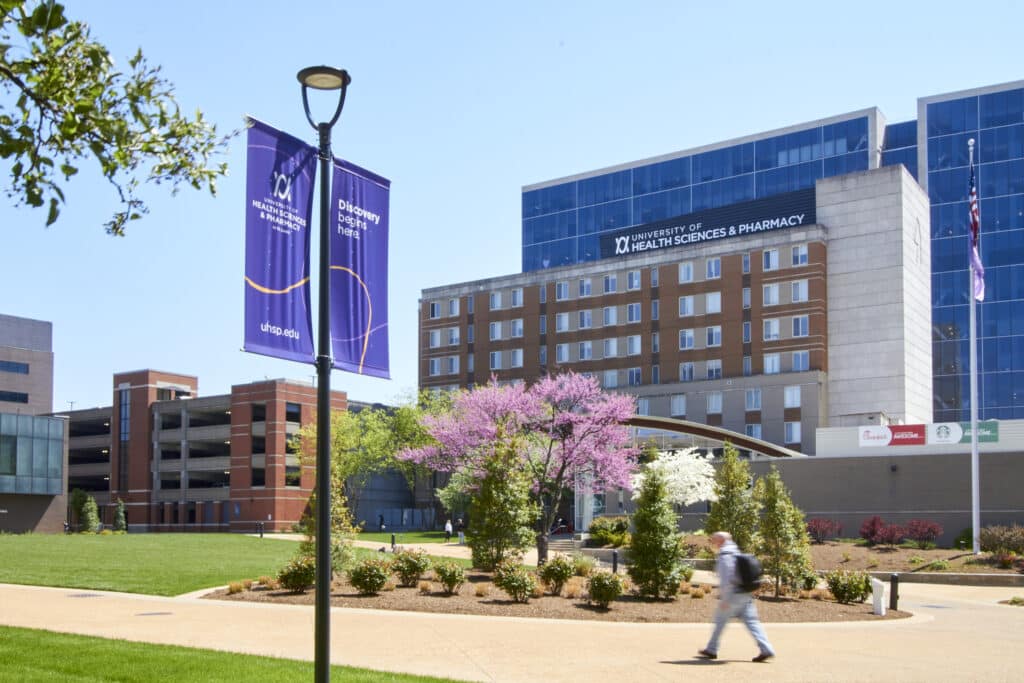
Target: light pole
column 323, row 78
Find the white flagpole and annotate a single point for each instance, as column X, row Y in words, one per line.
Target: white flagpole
column 975, row 488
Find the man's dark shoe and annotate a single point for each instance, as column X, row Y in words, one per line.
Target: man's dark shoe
column 705, row 654
column 763, row 657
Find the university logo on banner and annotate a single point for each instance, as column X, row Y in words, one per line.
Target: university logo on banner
column 359, row 270
column 280, row 173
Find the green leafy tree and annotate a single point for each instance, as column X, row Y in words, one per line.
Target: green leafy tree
column 782, row 543
column 67, row 102
column 656, row 549
column 455, row 496
column 342, row 531
column 735, row 509
column 77, row 503
column 648, row 453
column 501, row 508
column 90, row 519
column 120, row 523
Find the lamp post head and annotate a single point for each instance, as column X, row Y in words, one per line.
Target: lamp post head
column 324, row 78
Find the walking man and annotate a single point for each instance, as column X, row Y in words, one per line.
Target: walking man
column 460, row 527
column 447, row 531
column 733, row 601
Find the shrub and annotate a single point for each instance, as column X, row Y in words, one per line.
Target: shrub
column 821, row 529
column 890, row 534
column 425, row 587
column 1016, row 601
column 735, row 510
column 515, row 580
column 266, row 580
column 247, row 583
column 450, row 574
column 846, row 557
column 119, row 518
column 410, row 566
column 849, row 587
column 697, row 593
column 298, row 575
column 656, row 550
column 90, row 519
column 574, row 588
column 556, row 571
column 603, row 588
column 686, row 572
column 923, row 532
column 870, row 527
column 482, row 590
column 612, row 531
column 938, row 565
column 809, row 581
column 1005, row 560
column 370, row 576
column 583, row 565
column 1006, row 539
column 916, row 559
column 965, row 539
column 235, row 587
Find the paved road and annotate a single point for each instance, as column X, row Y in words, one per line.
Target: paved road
column 957, row 634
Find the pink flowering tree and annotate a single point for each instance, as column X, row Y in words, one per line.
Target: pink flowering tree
column 564, row 427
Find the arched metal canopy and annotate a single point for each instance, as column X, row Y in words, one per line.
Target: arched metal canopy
column 741, row 441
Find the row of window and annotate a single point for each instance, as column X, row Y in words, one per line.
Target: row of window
column 13, row 366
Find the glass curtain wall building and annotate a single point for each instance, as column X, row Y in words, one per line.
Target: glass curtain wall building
column 562, row 220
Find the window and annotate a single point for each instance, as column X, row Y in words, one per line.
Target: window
column 517, row 297
column 633, row 345
column 586, row 350
column 543, row 324
column 435, row 338
column 713, row 302
column 495, row 360
column 643, row 406
column 495, row 331
column 771, row 329
column 771, row 364
column 611, row 348
column 561, row 353
column 452, row 365
column 516, row 328
column 714, row 335
column 746, row 263
column 655, row 309
column 746, row 331
column 685, row 272
column 800, row 326
column 746, row 297
column 611, row 379
column 752, row 430
column 434, row 310
column 771, row 294
column 495, row 300
column 686, row 372
column 515, row 358
column 654, row 277
column 748, row 368
column 610, row 283
column 771, row 259
column 586, row 320
column 292, row 475
column 561, row 322
column 585, row 287
column 469, row 363
column 714, row 403
column 469, row 303
column 678, row 405
column 434, row 367
column 800, row 255
column 561, row 291
column 633, row 313
column 685, row 339
column 799, row 291
column 634, row 377
column 13, row 367
column 655, row 342
column 801, row 361
column 633, row 280
column 543, row 355
column 542, row 294
column 753, row 399
column 611, row 315
column 714, row 268
column 791, row 397
column 714, row 369
column 655, row 374
column 453, row 307
column 453, row 336
column 792, row 432
column 685, row 306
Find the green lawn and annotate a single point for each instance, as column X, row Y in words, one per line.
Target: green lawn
column 404, row 537
column 155, row 564
column 29, row 656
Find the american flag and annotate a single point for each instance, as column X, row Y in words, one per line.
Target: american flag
column 974, row 247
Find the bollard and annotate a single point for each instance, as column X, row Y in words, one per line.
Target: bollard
column 259, row 526
column 392, row 542
column 894, row 590
column 878, row 597
column 615, row 562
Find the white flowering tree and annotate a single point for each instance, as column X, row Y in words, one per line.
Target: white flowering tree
column 688, row 474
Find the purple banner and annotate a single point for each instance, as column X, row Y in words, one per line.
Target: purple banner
column 359, row 270
column 280, row 175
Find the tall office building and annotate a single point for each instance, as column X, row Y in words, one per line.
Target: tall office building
column 26, row 365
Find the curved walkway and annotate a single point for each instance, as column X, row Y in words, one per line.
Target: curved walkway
column 957, row 634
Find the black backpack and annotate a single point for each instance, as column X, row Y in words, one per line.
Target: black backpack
column 748, row 573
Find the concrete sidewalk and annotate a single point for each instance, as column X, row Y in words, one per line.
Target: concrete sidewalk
column 957, row 634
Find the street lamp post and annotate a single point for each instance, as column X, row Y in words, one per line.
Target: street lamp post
column 323, row 78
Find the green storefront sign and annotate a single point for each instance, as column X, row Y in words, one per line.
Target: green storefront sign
column 988, row 431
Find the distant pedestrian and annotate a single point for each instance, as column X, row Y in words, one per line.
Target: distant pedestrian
column 448, row 531
column 380, row 522
column 460, row 526
column 733, row 601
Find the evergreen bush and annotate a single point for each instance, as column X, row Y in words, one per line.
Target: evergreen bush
column 90, row 519
column 298, row 575
column 656, row 549
column 849, row 587
column 516, row 580
column 735, row 509
column 556, row 571
column 370, row 576
column 450, row 574
column 603, row 588
column 410, row 566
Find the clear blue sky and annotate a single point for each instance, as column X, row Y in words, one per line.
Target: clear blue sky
column 460, row 105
